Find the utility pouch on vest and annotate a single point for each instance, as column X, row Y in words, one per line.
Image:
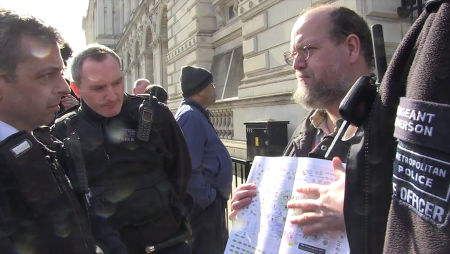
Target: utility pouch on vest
column 422, row 160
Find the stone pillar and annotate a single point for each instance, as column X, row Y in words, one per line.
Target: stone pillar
column 100, row 24
column 148, row 65
column 157, row 60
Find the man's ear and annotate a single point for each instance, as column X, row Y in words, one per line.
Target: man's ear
column 353, row 45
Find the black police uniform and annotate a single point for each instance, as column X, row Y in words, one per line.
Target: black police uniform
column 397, row 181
column 140, row 186
column 39, row 212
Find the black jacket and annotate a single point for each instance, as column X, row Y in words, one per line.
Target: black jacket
column 384, row 205
column 39, row 211
column 302, row 141
column 138, row 184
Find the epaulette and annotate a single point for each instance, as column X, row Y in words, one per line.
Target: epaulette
column 70, row 115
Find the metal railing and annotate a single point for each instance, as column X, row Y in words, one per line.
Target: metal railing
column 241, row 168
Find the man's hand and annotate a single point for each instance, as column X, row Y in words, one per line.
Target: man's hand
column 69, row 101
column 241, row 198
column 322, row 207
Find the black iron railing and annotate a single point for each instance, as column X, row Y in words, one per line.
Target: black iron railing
column 241, row 168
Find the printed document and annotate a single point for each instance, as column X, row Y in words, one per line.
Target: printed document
column 264, row 225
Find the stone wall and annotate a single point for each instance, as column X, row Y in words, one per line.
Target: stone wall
column 240, row 41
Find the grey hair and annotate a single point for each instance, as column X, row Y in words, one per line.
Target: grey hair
column 136, row 83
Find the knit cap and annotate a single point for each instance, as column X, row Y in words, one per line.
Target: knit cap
column 194, row 79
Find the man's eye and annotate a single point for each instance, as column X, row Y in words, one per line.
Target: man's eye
column 51, row 75
column 309, row 47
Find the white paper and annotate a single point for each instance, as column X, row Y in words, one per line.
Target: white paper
column 261, row 227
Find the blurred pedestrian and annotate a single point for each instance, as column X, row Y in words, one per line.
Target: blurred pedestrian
column 210, row 182
column 158, row 91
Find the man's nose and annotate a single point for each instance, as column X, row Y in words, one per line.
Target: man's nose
column 62, row 87
column 110, row 94
column 299, row 62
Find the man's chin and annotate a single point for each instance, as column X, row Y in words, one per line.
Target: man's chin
column 300, row 96
column 109, row 113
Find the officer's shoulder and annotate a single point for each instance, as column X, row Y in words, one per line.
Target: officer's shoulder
column 43, row 134
column 190, row 111
column 60, row 121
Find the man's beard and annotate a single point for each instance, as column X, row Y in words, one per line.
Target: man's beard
column 320, row 95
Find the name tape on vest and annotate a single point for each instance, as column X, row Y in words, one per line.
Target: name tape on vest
column 21, row 148
column 423, row 123
column 421, row 182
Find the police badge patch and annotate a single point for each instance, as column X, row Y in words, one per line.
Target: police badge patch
column 21, row 148
column 421, row 178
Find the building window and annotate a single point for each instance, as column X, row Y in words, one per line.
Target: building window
column 228, row 71
column 231, row 12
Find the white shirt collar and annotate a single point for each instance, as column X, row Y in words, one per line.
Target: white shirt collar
column 6, row 130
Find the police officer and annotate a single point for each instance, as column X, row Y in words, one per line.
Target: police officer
column 136, row 158
column 39, row 212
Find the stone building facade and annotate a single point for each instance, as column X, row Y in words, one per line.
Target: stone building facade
column 240, row 41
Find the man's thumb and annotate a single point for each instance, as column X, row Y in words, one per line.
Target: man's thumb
column 338, row 167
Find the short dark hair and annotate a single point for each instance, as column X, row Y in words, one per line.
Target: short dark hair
column 66, row 52
column 345, row 22
column 12, row 28
column 95, row 51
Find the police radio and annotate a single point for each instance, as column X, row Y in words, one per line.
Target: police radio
column 145, row 119
column 355, row 106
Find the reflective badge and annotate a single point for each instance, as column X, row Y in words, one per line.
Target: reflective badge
column 423, row 123
column 421, row 178
column 118, row 135
column 21, row 148
column 129, row 135
column 421, row 182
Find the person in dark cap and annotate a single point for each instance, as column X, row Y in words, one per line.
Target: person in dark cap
column 210, row 182
column 158, row 91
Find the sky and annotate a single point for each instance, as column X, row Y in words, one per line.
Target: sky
column 65, row 15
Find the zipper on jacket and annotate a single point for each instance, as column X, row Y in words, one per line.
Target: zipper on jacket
column 105, row 147
column 366, row 186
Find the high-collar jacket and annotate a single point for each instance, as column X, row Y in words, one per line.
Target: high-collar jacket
column 126, row 172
